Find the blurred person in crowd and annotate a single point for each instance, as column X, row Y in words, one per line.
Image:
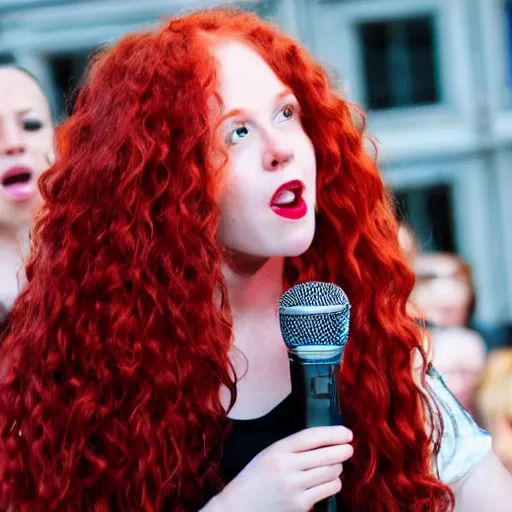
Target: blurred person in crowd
column 444, row 289
column 494, row 402
column 207, row 167
column 459, row 355
column 26, row 149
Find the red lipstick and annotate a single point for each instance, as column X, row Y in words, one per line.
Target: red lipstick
column 288, row 201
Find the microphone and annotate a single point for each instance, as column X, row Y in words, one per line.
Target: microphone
column 314, row 319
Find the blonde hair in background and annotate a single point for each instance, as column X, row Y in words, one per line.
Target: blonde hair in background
column 495, row 393
column 494, row 401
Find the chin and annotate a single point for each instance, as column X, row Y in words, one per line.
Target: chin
column 296, row 247
column 296, row 244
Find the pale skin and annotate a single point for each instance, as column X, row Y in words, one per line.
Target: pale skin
column 459, row 356
column 268, row 147
column 445, row 300
column 26, row 140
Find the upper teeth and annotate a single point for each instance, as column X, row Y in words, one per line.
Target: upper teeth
column 285, row 197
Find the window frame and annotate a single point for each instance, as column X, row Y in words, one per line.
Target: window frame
column 405, row 132
column 433, row 18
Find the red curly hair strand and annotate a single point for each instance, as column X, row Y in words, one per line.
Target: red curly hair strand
column 118, row 345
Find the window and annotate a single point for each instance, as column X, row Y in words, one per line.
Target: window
column 7, row 59
column 399, row 62
column 67, row 71
column 428, row 210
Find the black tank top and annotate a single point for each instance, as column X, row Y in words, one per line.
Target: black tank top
column 247, row 438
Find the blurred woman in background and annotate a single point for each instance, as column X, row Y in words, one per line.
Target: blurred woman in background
column 459, row 355
column 26, row 149
column 444, row 289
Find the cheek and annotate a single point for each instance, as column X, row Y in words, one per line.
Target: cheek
column 235, row 195
column 41, row 139
column 241, row 187
column 41, row 145
column 306, row 154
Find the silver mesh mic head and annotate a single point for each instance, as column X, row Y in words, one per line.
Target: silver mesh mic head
column 314, row 319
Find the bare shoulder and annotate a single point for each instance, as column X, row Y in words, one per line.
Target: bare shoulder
column 487, row 487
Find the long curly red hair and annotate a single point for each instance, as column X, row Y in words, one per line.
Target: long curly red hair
column 118, row 346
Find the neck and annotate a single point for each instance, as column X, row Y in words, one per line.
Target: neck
column 253, row 287
column 259, row 355
column 13, row 252
column 16, row 242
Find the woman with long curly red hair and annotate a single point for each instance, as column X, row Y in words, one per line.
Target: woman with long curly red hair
column 208, row 167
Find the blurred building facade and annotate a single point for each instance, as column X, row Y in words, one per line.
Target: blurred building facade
column 435, row 77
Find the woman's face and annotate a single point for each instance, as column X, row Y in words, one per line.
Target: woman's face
column 268, row 201
column 26, row 144
column 459, row 356
column 442, row 290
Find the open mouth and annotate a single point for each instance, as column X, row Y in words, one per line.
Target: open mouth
column 14, row 179
column 288, row 200
column 17, row 183
column 288, row 195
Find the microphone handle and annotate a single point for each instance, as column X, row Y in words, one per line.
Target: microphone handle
column 316, row 404
column 315, row 394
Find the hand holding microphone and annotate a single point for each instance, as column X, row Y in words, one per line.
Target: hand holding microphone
column 291, row 475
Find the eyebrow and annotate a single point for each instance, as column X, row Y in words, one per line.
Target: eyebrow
column 24, row 111
column 240, row 111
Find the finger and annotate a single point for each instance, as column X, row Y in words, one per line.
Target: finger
column 322, row 491
column 319, row 476
column 317, row 437
column 323, row 456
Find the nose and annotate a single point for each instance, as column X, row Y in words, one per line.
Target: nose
column 11, row 139
column 278, row 152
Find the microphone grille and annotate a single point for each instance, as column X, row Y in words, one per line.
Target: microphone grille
column 314, row 293
column 314, row 313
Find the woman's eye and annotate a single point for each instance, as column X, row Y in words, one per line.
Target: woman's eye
column 32, row 125
column 286, row 113
column 238, row 134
